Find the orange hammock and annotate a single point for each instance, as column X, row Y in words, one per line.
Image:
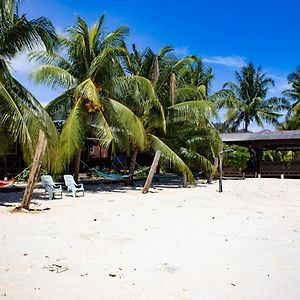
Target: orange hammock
column 4, row 183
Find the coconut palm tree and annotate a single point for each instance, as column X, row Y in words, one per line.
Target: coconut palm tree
column 292, row 122
column 20, row 112
column 138, row 94
column 188, row 118
column 92, row 60
column 247, row 101
column 294, row 92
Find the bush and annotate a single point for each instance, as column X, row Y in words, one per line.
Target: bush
column 24, row 176
column 238, row 158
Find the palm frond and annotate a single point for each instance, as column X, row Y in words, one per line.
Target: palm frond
column 53, row 76
column 170, row 156
column 71, row 137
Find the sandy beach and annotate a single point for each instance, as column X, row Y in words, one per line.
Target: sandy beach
column 172, row 243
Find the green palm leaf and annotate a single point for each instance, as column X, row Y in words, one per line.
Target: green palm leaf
column 169, row 155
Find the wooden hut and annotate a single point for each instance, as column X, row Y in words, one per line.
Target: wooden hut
column 258, row 142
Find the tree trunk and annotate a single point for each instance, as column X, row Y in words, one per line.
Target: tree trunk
column 172, row 89
column 151, row 172
column 213, row 171
column 36, row 165
column 246, row 124
column 77, row 165
column 132, row 165
column 155, row 74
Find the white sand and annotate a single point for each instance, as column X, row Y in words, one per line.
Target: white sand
column 172, row 243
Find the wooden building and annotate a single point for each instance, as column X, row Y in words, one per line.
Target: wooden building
column 258, row 142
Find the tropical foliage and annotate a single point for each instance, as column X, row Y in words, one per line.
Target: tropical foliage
column 246, row 101
column 292, row 121
column 91, row 62
column 21, row 115
column 294, row 92
column 128, row 100
column 236, row 157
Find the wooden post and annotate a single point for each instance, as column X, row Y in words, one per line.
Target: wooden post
column 184, row 175
column 151, row 172
column 220, row 170
column 36, row 165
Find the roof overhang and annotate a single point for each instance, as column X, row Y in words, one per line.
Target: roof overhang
column 263, row 138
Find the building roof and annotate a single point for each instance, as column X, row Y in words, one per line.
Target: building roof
column 286, row 135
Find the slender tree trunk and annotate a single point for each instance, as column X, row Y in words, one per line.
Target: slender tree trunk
column 173, row 88
column 132, row 165
column 151, row 172
column 34, row 171
column 246, row 123
column 155, row 74
column 77, row 165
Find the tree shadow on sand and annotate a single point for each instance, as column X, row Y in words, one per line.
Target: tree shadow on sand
column 12, row 197
column 175, row 182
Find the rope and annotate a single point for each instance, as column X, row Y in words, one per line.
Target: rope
column 119, row 161
column 22, row 172
column 90, row 169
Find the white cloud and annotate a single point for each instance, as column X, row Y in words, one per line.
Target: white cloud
column 281, row 84
column 233, row 61
column 181, row 51
column 21, row 64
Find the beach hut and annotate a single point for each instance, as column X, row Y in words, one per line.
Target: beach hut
column 258, row 142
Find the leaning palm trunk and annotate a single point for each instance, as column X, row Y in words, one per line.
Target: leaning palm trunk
column 132, row 165
column 77, row 165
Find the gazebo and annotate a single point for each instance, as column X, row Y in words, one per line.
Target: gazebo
column 257, row 142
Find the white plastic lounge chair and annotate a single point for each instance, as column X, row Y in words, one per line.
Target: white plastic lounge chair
column 50, row 187
column 72, row 186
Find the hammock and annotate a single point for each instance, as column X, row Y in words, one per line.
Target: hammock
column 111, row 176
column 118, row 177
column 4, row 183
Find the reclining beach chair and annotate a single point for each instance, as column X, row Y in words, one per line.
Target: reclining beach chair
column 72, row 186
column 50, row 187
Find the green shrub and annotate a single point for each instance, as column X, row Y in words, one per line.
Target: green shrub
column 24, row 176
column 237, row 158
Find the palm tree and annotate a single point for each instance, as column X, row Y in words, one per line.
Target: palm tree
column 246, row 100
column 175, row 122
column 21, row 114
column 294, row 92
column 138, row 94
column 292, row 122
column 92, row 61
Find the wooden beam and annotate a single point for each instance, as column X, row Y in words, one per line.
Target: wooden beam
column 35, row 168
column 151, row 172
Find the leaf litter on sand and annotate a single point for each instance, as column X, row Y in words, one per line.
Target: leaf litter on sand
column 56, row 268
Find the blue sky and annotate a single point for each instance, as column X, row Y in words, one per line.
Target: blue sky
column 225, row 34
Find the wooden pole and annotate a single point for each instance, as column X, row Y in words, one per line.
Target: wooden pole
column 220, row 171
column 184, row 175
column 151, row 172
column 36, row 165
